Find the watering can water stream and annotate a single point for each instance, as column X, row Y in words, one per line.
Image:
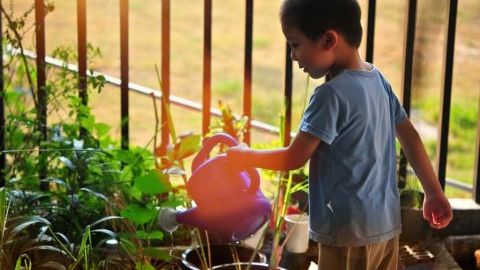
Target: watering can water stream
column 228, row 203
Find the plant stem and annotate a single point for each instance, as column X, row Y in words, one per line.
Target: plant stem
column 22, row 55
column 61, row 244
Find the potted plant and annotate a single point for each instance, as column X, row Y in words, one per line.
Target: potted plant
column 414, row 227
column 221, row 254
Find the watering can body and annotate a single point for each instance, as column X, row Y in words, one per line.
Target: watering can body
column 228, row 203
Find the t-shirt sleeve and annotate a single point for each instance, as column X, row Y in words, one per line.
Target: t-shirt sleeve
column 398, row 110
column 399, row 113
column 322, row 118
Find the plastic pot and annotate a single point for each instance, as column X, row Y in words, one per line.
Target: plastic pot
column 297, row 227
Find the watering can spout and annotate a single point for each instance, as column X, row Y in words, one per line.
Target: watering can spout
column 167, row 219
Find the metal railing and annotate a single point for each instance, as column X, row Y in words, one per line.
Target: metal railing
column 188, row 104
column 125, row 85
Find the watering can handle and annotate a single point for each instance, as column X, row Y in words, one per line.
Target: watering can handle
column 254, row 180
column 208, row 145
column 227, row 139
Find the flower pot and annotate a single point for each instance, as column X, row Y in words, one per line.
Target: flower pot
column 297, row 233
column 411, row 198
column 220, row 255
column 414, row 226
column 237, row 266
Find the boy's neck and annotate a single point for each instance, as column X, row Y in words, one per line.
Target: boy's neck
column 348, row 59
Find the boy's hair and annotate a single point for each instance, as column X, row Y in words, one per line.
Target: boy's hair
column 314, row 17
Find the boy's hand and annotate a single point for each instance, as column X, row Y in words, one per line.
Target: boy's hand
column 437, row 211
column 237, row 157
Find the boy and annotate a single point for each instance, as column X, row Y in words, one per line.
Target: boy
column 348, row 133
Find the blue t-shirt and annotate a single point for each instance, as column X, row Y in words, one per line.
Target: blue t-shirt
column 353, row 192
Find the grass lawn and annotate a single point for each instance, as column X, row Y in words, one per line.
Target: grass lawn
column 268, row 61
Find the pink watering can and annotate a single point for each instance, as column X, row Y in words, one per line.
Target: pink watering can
column 228, row 203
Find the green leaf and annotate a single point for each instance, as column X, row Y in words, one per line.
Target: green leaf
column 3, row 208
column 96, row 194
column 135, row 193
column 173, row 202
column 124, row 156
column 12, row 97
column 107, row 218
column 152, row 183
column 144, row 266
column 106, row 232
column 27, row 222
column 17, row 138
column 138, row 214
column 87, row 122
column 188, row 145
column 67, row 162
column 102, row 129
column 46, row 247
column 154, row 235
column 157, row 254
column 18, row 265
column 55, row 180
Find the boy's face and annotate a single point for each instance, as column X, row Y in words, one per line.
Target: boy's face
column 314, row 57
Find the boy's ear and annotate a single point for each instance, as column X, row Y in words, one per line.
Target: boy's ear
column 331, row 39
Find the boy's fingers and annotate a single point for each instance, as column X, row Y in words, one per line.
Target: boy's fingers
column 427, row 215
column 437, row 226
column 441, row 221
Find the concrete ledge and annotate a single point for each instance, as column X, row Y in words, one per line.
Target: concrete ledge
column 464, row 204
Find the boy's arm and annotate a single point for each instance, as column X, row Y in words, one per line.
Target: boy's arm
column 436, row 208
column 282, row 159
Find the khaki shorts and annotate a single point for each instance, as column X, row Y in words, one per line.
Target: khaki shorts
column 377, row 256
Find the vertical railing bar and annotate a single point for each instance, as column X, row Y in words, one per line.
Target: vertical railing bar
column 2, row 112
column 207, row 60
column 124, row 73
column 476, row 179
column 247, row 81
column 288, row 96
column 82, row 54
column 41, row 89
column 407, row 75
column 165, row 70
column 370, row 31
column 447, row 91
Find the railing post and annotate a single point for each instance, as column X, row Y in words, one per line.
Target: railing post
column 447, row 91
column 124, row 72
column 288, row 96
column 82, row 54
column 476, row 179
column 165, row 71
column 407, row 76
column 370, row 31
column 207, row 67
column 41, row 90
column 2, row 113
column 247, row 81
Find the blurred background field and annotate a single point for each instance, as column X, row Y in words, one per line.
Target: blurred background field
column 268, row 64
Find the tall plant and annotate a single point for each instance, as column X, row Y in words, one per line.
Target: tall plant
column 285, row 187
